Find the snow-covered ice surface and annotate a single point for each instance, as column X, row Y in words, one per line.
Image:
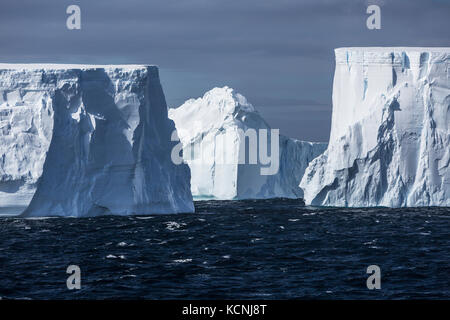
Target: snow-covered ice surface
column 390, row 135
column 204, row 123
column 82, row 140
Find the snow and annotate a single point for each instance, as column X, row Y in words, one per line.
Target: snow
column 82, row 140
column 390, row 135
column 62, row 66
column 211, row 124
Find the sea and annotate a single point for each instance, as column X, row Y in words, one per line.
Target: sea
column 256, row 249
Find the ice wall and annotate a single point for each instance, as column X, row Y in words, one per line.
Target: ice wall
column 390, row 135
column 79, row 140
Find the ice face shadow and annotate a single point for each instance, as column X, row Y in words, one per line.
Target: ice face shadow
column 90, row 158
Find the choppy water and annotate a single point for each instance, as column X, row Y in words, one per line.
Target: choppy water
column 273, row 249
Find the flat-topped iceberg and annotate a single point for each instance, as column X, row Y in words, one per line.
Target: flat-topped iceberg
column 390, row 135
column 81, row 140
column 234, row 154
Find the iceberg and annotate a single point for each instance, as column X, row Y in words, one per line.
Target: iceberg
column 86, row 140
column 390, row 134
column 218, row 133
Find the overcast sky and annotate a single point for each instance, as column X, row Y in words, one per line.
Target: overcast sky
column 277, row 53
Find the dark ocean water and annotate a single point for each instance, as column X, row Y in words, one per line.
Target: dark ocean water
column 272, row 249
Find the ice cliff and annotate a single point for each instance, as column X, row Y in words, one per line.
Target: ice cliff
column 219, row 130
column 78, row 140
column 390, row 135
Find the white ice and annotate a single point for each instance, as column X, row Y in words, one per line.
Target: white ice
column 390, row 135
column 83, row 140
column 211, row 124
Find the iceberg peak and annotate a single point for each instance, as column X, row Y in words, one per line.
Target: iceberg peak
column 225, row 115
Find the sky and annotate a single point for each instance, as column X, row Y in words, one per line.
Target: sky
column 277, row 53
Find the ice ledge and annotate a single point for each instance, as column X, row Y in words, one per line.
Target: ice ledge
column 56, row 66
column 34, row 76
column 391, row 55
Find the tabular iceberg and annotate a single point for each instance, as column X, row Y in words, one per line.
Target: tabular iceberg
column 218, row 126
column 390, row 135
column 79, row 140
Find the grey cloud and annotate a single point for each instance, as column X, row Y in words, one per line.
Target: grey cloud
column 277, row 53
